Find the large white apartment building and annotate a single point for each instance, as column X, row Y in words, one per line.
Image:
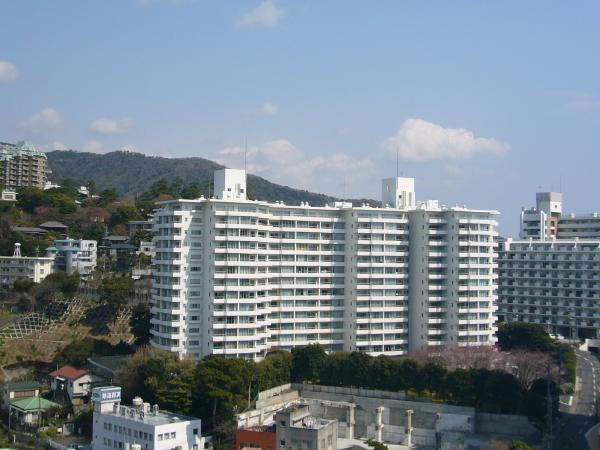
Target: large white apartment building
column 553, row 283
column 239, row 277
column 546, row 221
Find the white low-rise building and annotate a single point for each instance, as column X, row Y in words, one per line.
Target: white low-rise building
column 239, row 278
column 117, row 426
column 14, row 267
column 74, row 255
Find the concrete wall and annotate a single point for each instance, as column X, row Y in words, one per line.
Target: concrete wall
column 504, row 425
column 424, row 419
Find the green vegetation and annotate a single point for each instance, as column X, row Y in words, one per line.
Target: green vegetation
column 216, row 388
column 139, row 173
column 115, row 290
column 376, row 445
column 526, row 336
column 533, row 337
column 78, row 351
column 140, row 324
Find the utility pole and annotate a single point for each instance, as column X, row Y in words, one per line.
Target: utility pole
column 549, row 411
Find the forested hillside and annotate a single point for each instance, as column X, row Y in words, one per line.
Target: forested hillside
column 133, row 173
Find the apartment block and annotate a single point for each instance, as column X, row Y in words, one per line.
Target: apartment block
column 74, row 255
column 546, row 220
column 240, row 278
column 32, row 267
column 552, row 283
column 21, row 165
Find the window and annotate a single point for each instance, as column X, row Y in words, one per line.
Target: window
column 195, row 431
column 173, row 435
column 160, row 437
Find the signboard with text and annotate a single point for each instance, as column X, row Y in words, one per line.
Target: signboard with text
column 106, row 394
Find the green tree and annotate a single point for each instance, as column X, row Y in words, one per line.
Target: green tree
column 527, row 336
column 274, row 370
column 30, row 198
column 140, row 324
column 222, row 386
column 23, row 284
column 307, row 362
column 115, row 290
column 123, row 214
column 107, row 196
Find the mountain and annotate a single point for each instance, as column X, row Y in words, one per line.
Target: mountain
column 133, row 173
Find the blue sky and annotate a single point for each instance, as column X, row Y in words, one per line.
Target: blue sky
column 484, row 102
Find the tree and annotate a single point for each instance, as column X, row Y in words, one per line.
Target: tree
column 23, row 284
column 307, row 362
column 123, row 214
column 115, row 290
column 528, row 366
column 30, row 198
column 140, row 324
column 63, row 282
column 274, row 370
column 527, row 336
column 107, row 196
column 222, row 386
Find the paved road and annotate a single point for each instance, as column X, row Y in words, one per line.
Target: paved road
column 581, row 415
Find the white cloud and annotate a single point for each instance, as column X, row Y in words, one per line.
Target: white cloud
column 269, row 109
column 111, row 126
column 267, row 14
column 419, row 140
column 281, row 162
column 8, row 71
column 46, row 119
column 93, row 146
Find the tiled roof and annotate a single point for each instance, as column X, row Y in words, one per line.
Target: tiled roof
column 69, row 372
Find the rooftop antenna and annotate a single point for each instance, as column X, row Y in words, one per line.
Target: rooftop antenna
column 245, row 153
column 560, row 183
column 344, row 197
column 397, row 160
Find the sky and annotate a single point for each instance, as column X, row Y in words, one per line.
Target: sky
column 484, row 103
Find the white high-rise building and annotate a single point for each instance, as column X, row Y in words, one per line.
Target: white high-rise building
column 546, row 221
column 552, row 283
column 239, row 277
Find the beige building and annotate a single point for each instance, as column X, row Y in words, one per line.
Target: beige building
column 17, row 266
column 21, row 165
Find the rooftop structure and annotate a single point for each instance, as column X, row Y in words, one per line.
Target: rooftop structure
column 238, row 277
column 21, row 165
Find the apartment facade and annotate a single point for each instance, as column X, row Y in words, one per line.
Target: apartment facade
column 33, row 267
column 74, row 255
column 546, row 221
column 21, row 165
column 239, row 278
column 552, row 283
